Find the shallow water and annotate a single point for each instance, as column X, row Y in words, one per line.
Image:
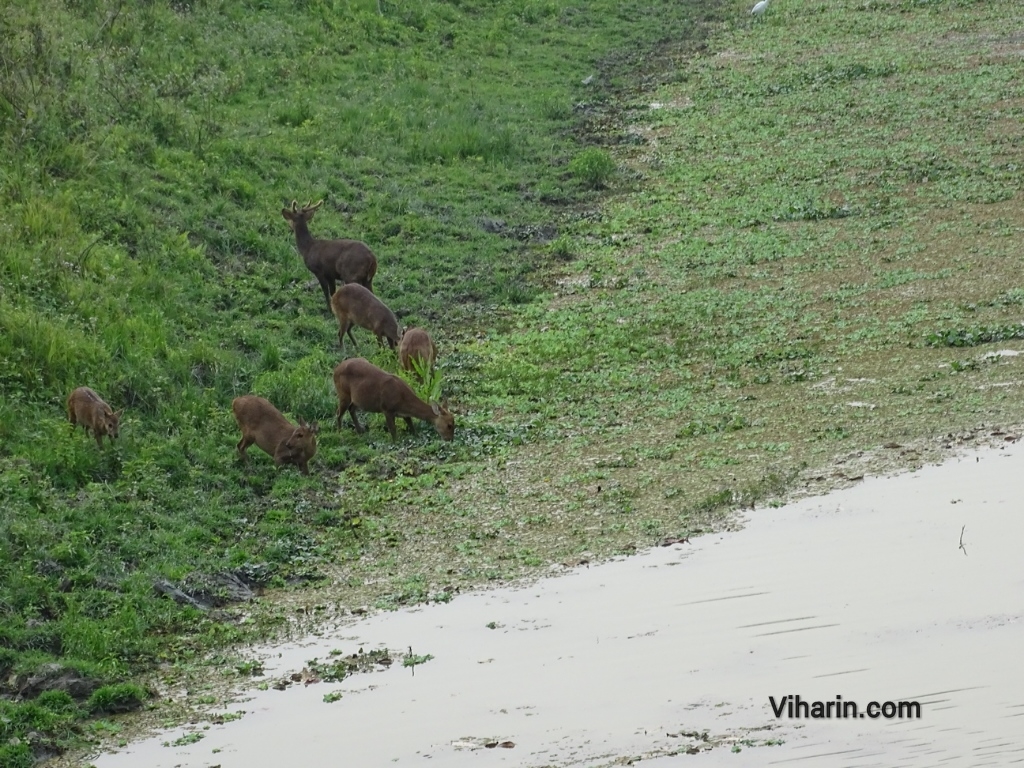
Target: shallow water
column 864, row 593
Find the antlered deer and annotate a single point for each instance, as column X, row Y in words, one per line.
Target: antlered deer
column 87, row 408
column 349, row 261
column 359, row 383
column 353, row 304
column 417, row 344
column 263, row 424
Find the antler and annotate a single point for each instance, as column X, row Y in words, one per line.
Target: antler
column 295, row 205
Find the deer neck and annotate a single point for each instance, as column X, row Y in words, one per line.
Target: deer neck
column 421, row 410
column 302, row 237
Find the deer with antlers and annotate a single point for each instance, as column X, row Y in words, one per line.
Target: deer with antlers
column 330, row 261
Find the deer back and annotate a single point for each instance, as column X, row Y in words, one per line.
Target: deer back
column 356, row 305
column 416, row 344
column 272, row 432
column 360, row 382
column 350, row 261
column 87, row 408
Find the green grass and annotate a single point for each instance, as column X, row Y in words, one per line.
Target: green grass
column 811, row 214
column 145, row 153
column 669, row 274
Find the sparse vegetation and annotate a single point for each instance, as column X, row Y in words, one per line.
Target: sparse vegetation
column 414, row 659
column 112, row 699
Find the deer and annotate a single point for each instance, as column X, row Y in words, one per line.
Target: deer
column 261, row 423
column 87, row 408
column 350, row 261
column 353, row 304
column 416, row 344
column 359, row 383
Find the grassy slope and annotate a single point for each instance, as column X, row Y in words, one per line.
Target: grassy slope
column 816, row 244
column 822, row 202
column 811, row 250
column 147, row 150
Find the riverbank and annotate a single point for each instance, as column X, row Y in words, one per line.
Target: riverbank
column 861, row 595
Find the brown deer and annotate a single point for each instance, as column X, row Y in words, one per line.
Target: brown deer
column 416, row 344
column 263, row 424
column 349, row 261
column 353, row 304
column 87, row 408
column 360, row 383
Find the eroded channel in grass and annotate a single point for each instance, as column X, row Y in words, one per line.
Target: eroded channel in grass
column 864, row 593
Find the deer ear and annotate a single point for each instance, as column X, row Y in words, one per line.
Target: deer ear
column 314, row 427
column 436, row 409
column 118, row 413
column 286, row 213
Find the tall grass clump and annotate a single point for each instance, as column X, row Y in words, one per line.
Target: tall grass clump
column 304, row 388
column 594, row 167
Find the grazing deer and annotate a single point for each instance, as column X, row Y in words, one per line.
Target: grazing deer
column 359, row 383
column 353, row 304
column 87, row 408
column 263, row 424
column 416, row 344
column 349, row 261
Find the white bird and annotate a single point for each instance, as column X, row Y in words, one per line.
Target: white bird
column 760, row 8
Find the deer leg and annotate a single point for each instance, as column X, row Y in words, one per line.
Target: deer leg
column 355, row 422
column 343, row 328
column 389, row 417
column 283, row 454
column 411, row 424
column 328, row 290
column 243, row 445
column 344, row 401
column 98, row 436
